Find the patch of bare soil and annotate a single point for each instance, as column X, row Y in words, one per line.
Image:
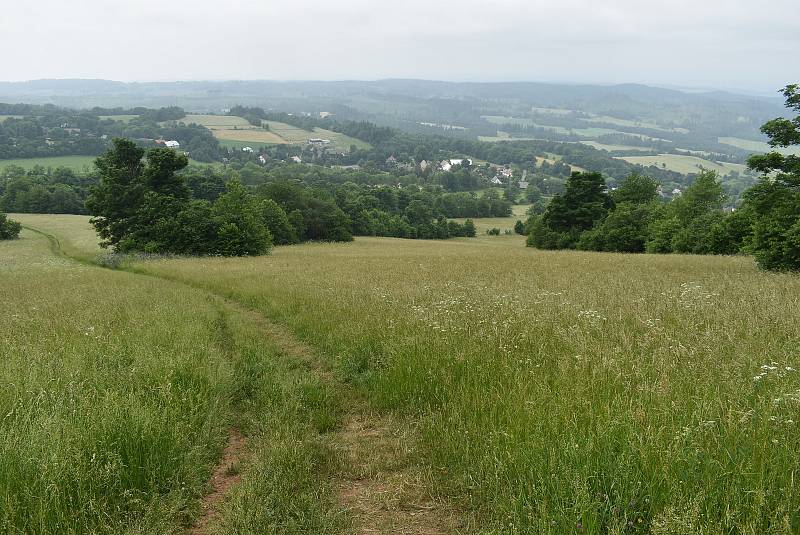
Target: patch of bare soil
column 225, row 475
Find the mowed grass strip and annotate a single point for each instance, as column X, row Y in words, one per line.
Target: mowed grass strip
column 559, row 392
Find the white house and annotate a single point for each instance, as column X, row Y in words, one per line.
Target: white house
column 423, row 165
column 495, row 181
column 172, row 144
column 523, row 184
column 297, row 159
column 248, row 149
column 262, row 159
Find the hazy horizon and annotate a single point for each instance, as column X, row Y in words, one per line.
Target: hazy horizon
column 769, row 92
column 732, row 45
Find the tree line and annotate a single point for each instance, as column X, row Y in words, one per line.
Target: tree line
column 62, row 132
column 630, row 219
column 143, row 203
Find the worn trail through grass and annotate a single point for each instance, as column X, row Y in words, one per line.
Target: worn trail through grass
column 377, row 485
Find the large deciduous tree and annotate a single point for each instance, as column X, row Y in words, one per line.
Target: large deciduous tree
column 145, row 205
column 775, row 201
column 585, row 202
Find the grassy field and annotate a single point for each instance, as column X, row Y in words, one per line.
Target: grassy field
column 76, row 163
column 589, row 131
column 251, row 135
column 79, row 164
column 610, row 148
column 236, row 132
column 112, row 415
column 292, row 134
column 553, row 392
column 118, row 392
column 756, row 146
column 120, row 118
column 682, row 163
column 482, row 224
column 557, row 390
column 219, row 121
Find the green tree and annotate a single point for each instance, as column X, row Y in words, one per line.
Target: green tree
column 636, row 189
column 625, row 229
column 685, row 224
column 585, row 202
column 277, row 222
column 9, row 229
column 146, row 205
column 241, row 230
column 775, row 201
column 115, row 198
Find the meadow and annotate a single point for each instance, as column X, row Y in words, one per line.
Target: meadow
column 121, row 118
column 295, row 135
column 756, row 146
column 552, row 392
column 118, row 393
column 236, row 132
column 76, row 163
column 684, row 163
column 79, row 164
column 612, row 148
column 555, row 391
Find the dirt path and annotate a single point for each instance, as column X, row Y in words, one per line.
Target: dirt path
column 225, row 475
column 378, row 486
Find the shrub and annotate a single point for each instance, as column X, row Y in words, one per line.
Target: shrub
column 9, row 229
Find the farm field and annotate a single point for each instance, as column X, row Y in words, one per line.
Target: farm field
column 605, row 119
column 236, row 132
column 292, row 134
column 120, row 118
column 251, row 135
column 611, row 148
column 482, row 224
column 76, row 163
column 685, row 163
column 756, row 146
column 549, row 390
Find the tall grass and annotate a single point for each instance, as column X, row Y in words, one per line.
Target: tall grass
column 116, row 395
column 560, row 392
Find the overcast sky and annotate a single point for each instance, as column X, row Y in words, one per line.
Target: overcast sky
column 743, row 44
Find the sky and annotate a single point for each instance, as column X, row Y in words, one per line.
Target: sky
column 728, row 44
